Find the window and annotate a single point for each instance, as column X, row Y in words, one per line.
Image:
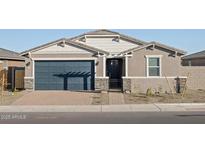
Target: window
column 153, row 66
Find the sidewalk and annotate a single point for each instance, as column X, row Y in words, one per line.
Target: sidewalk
column 116, row 97
column 155, row 107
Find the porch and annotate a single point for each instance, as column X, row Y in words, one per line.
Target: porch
column 114, row 69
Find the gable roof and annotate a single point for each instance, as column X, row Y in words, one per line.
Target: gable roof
column 72, row 41
column 7, row 54
column 169, row 48
column 196, row 55
column 84, row 46
column 67, row 41
column 109, row 32
column 136, row 48
column 155, row 44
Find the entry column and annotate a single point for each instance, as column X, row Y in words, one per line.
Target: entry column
column 104, row 66
column 126, row 65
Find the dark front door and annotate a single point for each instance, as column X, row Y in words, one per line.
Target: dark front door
column 114, row 71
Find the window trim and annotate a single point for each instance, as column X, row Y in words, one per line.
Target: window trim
column 147, row 65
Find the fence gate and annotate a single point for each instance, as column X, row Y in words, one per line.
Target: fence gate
column 16, row 78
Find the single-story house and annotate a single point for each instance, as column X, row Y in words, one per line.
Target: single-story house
column 103, row 60
column 12, row 64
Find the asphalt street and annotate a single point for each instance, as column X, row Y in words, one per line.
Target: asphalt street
column 103, row 117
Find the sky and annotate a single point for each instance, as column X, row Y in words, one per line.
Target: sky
column 190, row 40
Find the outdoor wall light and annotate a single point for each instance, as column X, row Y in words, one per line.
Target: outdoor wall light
column 28, row 64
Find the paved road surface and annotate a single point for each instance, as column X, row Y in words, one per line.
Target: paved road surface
column 104, row 118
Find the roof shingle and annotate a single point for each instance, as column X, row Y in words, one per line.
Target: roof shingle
column 195, row 55
column 7, row 54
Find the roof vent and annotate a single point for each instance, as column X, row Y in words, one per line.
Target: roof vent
column 116, row 39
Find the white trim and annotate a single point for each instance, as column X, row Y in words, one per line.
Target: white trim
column 85, row 38
column 59, row 52
column 101, row 77
column 1, row 61
column 130, row 55
column 153, row 56
column 34, row 59
column 33, row 74
column 95, row 72
column 28, row 77
column 102, row 36
column 159, row 77
column 147, row 64
column 104, row 66
column 29, row 54
column 126, row 66
column 116, row 55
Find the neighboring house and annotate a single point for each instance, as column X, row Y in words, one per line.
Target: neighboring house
column 195, row 59
column 10, row 62
column 103, row 60
column 9, row 58
column 194, row 66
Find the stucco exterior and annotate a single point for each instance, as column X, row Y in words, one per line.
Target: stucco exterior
column 138, row 81
column 10, row 77
column 56, row 52
column 11, row 63
column 137, row 63
column 49, row 54
column 110, row 44
column 196, row 76
column 134, row 63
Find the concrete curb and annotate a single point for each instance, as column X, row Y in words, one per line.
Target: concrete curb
column 155, row 107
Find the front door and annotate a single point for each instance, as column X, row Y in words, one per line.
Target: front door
column 114, row 71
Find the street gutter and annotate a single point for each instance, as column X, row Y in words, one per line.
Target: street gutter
column 155, row 107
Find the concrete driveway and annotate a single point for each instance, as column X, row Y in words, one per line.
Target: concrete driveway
column 55, row 98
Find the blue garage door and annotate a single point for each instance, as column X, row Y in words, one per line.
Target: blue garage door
column 64, row 75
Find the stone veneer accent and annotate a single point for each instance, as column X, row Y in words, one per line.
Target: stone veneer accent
column 126, row 85
column 28, row 83
column 102, row 84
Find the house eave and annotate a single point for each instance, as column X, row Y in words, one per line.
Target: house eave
column 10, row 58
column 112, row 33
column 65, row 41
column 154, row 44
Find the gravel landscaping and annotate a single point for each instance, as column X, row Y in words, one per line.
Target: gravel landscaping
column 9, row 97
column 96, row 98
column 191, row 96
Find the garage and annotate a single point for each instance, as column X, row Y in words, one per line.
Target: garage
column 64, row 75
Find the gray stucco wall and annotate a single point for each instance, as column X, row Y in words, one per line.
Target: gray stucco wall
column 137, row 63
column 156, row 84
column 68, row 51
column 196, row 79
column 98, row 61
column 171, row 67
